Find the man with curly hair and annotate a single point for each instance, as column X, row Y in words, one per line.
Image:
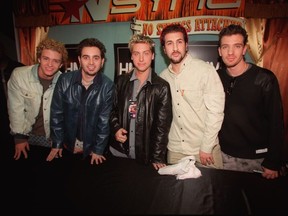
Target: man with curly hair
column 30, row 90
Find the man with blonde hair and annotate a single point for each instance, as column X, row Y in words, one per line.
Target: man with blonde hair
column 142, row 110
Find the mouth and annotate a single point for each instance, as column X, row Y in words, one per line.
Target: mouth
column 91, row 69
column 230, row 59
column 175, row 53
column 49, row 70
column 141, row 65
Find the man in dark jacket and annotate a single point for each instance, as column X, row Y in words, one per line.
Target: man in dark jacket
column 252, row 132
column 142, row 111
column 81, row 106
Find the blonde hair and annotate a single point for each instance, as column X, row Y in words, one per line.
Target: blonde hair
column 140, row 38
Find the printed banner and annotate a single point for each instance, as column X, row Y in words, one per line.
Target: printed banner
column 65, row 12
column 193, row 25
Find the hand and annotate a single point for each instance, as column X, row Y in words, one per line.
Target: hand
column 157, row 166
column 20, row 148
column 121, row 135
column 54, row 153
column 98, row 159
column 206, row 158
column 270, row 174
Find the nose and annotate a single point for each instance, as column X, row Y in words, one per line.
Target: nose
column 50, row 62
column 230, row 50
column 91, row 61
column 175, row 47
column 141, row 57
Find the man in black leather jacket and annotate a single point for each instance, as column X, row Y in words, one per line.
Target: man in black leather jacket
column 142, row 111
column 81, row 106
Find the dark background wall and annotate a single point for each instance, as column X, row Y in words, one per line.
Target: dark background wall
column 7, row 36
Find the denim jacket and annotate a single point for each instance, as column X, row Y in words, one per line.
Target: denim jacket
column 24, row 99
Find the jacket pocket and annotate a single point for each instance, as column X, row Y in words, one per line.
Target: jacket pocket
column 31, row 104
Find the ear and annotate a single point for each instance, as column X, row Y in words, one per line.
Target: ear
column 164, row 50
column 219, row 51
column 245, row 50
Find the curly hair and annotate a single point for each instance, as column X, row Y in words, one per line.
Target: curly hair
column 54, row 45
column 140, row 38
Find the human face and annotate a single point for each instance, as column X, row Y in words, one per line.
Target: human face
column 142, row 57
column 175, row 47
column 232, row 50
column 49, row 64
column 91, row 61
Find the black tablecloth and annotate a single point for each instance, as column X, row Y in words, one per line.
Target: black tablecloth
column 71, row 185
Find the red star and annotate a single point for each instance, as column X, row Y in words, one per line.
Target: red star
column 71, row 8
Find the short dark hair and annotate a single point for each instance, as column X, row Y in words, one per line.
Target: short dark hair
column 232, row 30
column 91, row 42
column 173, row 28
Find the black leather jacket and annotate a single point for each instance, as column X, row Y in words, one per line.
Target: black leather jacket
column 66, row 106
column 154, row 117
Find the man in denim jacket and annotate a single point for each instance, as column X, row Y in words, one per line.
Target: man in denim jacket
column 30, row 90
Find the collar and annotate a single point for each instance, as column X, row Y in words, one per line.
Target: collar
column 184, row 62
column 133, row 77
column 78, row 79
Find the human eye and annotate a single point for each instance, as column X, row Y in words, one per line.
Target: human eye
column 85, row 57
column 224, row 47
column 168, row 43
column 239, row 46
column 147, row 53
column 135, row 53
column 44, row 58
column 57, row 61
column 96, row 58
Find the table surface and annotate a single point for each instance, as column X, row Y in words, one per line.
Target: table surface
column 123, row 186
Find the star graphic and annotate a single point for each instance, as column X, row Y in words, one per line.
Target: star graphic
column 71, row 8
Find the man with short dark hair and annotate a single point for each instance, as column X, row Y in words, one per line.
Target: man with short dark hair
column 198, row 102
column 81, row 106
column 252, row 133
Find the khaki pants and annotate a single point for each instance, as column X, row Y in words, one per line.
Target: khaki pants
column 174, row 157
